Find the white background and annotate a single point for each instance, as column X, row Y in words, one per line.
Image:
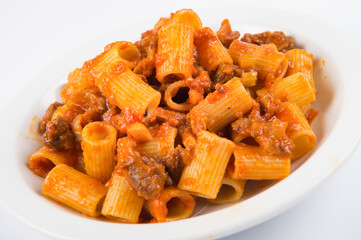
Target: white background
column 36, row 33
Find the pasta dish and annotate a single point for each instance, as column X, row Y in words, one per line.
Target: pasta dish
column 146, row 128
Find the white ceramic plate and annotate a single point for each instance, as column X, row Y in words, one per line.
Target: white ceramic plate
column 337, row 128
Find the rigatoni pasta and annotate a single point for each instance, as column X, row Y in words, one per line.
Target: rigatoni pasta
column 175, row 52
column 301, row 61
column 171, row 205
column 231, row 190
column 295, row 88
column 253, row 163
column 126, row 89
column 265, row 59
column 301, row 132
column 122, row 202
column 43, row 160
column 171, row 92
column 162, row 143
column 210, row 50
column 98, row 144
column 146, row 128
column 116, row 52
column 222, row 106
column 74, row 189
column 203, row 177
column 189, row 17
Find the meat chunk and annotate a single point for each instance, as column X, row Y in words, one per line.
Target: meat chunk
column 162, row 115
column 225, row 72
column 147, row 47
column 173, row 164
column 146, row 175
column 90, row 97
column 58, row 135
column 282, row 43
column 270, row 134
column 48, row 115
column 226, row 35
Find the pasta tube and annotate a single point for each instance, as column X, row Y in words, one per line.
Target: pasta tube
column 43, row 160
column 84, row 77
column 186, row 16
column 74, row 189
column 210, row 50
column 122, row 202
column 203, row 177
column 249, row 79
column 171, row 91
column 161, row 144
column 306, row 109
column 126, row 89
column 265, row 58
column 301, row 61
column 99, row 142
column 231, row 191
column 251, row 162
column 121, row 51
column 170, row 205
column 224, row 105
column 189, row 17
column 174, row 59
column 294, row 88
column 301, row 132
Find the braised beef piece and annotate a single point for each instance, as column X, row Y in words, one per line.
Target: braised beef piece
column 226, row 35
column 147, row 47
column 58, row 135
column 162, row 115
column 174, row 165
column 147, row 176
column 224, row 73
column 270, row 134
column 282, row 43
column 48, row 115
column 90, row 97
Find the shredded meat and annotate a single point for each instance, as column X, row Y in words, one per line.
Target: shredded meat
column 198, row 85
column 147, row 47
column 48, row 115
column 200, row 81
column 146, row 65
column 146, row 175
column 162, row 115
column 226, row 72
column 270, row 134
column 173, row 164
column 282, row 43
column 90, row 97
column 226, row 35
column 58, row 135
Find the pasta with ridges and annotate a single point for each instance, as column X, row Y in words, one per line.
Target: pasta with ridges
column 148, row 129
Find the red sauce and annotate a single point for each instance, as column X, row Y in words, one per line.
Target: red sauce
column 312, row 114
column 89, row 96
column 221, row 91
column 226, row 35
column 122, row 120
